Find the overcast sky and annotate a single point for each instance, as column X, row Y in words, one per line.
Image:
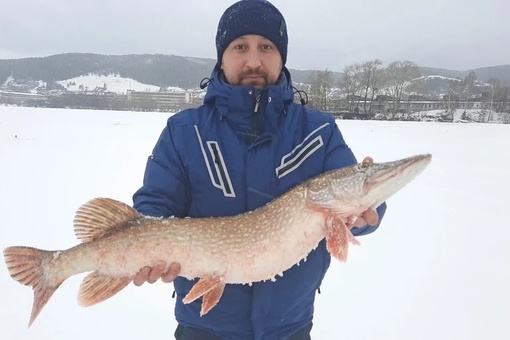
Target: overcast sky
column 451, row 34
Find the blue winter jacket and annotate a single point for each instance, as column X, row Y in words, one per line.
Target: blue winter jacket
column 242, row 148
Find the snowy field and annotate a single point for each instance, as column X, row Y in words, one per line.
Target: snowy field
column 438, row 268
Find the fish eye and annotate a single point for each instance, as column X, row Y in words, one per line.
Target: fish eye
column 365, row 164
column 367, row 161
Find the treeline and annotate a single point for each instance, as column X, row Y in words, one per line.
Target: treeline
column 495, row 93
column 89, row 101
column 362, row 83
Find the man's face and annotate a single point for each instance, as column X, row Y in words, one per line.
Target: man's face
column 251, row 60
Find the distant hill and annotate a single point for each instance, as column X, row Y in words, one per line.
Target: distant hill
column 159, row 70
column 435, row 81
column 168, row 70
column 501, row 72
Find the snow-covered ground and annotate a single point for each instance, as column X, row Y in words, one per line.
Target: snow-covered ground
column 437, row 268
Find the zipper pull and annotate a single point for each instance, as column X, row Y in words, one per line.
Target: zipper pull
column 257, row 102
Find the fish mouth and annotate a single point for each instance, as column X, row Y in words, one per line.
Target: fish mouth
column 384, row 179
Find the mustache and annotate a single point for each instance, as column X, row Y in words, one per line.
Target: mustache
column 253, row 72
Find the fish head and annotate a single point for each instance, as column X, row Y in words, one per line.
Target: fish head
column 352, row 190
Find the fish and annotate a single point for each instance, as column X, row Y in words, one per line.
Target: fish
column 259, row 245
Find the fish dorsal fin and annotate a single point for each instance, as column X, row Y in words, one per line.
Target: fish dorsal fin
column 94, row 218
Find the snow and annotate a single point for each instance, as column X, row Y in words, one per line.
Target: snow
column 436, row 77
column 436, row 269
column 114, row 83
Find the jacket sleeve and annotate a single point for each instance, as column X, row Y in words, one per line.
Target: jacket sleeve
column 164, row 191
column 338, row 155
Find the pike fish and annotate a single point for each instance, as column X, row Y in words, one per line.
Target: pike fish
column 254, row 246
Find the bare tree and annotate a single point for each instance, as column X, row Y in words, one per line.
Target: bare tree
column 320, row 86
column 399, row 75
column 371, row 79
column 494, row 88
column 468, row 85
column 351, row 85
column 452, row 97
column 502, row 98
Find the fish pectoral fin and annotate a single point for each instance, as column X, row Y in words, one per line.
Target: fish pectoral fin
column 211, row 288
column 338, row 237
column 97, row 287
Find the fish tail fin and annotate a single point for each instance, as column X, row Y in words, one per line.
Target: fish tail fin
column 27, row 266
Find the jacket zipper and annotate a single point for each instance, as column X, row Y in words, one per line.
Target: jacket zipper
column 255, row 118
column 257, row 103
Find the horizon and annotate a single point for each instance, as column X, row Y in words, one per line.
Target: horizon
column 213, row 59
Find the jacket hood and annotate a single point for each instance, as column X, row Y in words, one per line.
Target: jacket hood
column 250, row 110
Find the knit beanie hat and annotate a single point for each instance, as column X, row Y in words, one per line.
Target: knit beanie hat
column 252, row 17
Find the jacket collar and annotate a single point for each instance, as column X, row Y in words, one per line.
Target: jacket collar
column 249, row 110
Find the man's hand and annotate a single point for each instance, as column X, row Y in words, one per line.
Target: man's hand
column 156, row 272
column 369, row 217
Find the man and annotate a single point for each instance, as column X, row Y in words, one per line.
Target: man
column 246, row 145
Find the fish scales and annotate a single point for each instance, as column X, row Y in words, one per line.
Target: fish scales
column 204, row 245
column 242, row 249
